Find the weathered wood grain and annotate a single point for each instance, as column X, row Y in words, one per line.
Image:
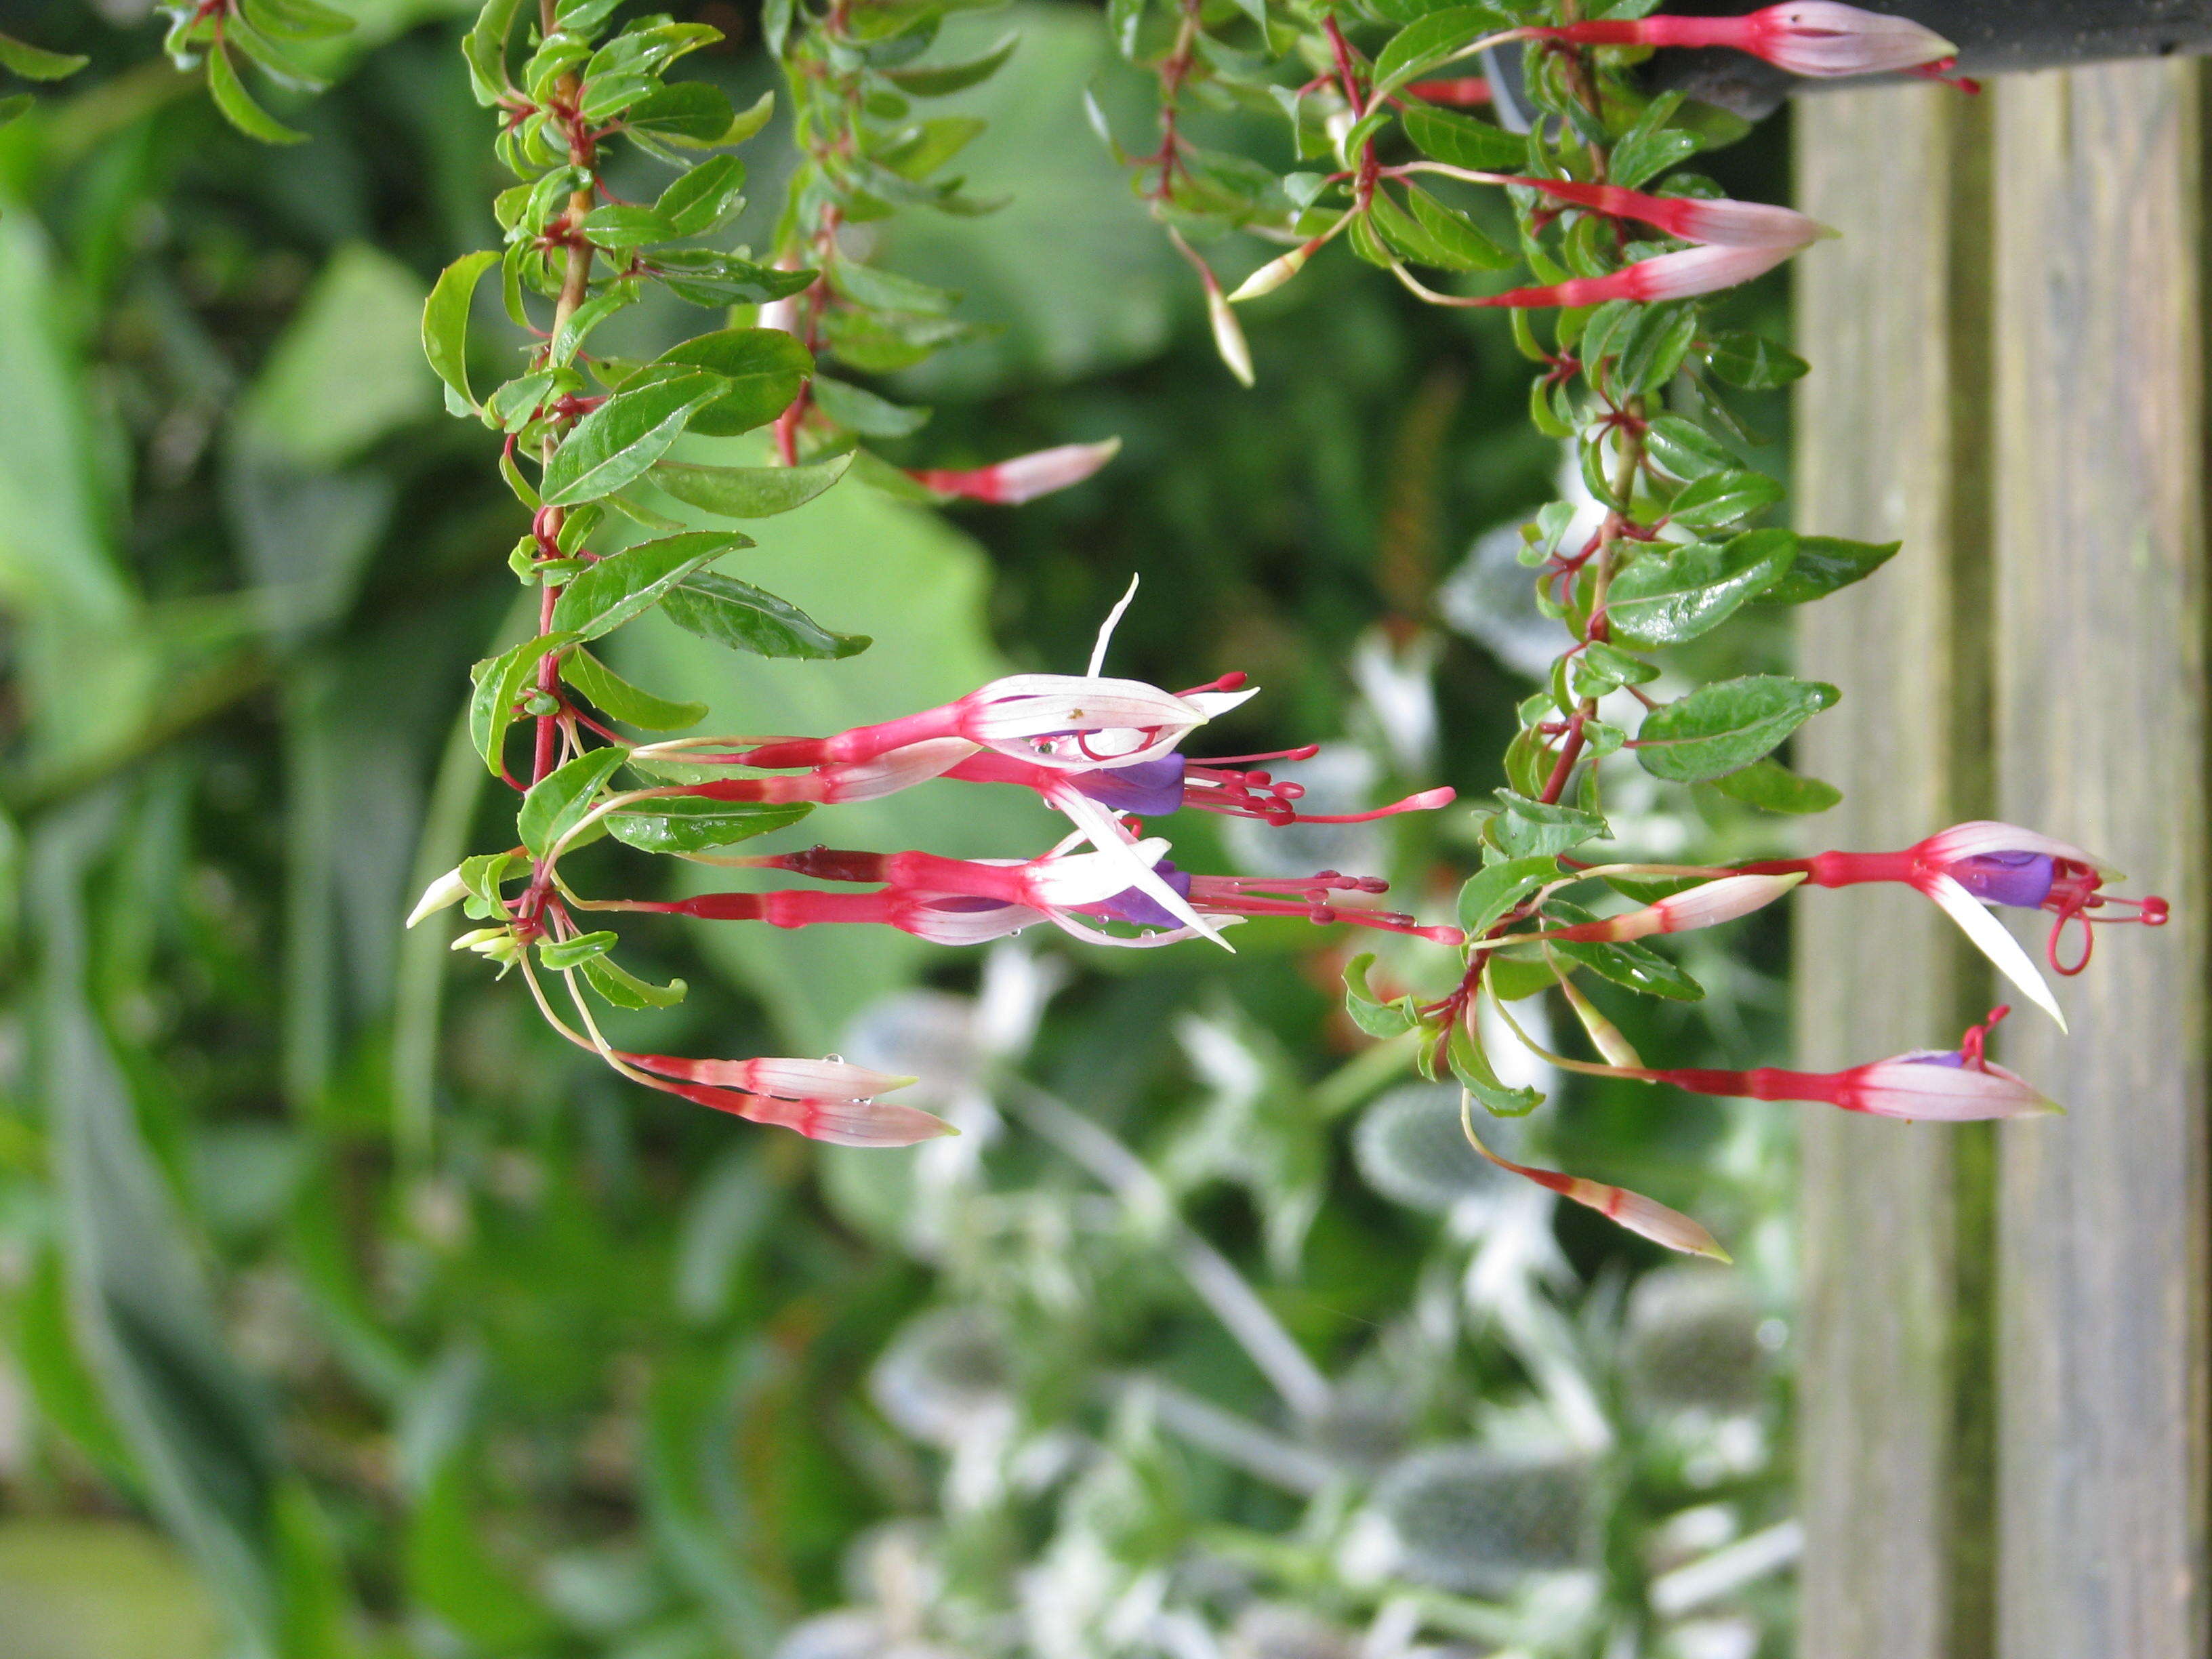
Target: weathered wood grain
column 1884, row 436
column 2101, row 738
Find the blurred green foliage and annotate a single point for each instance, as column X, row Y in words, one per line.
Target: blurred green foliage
column 414, row 1332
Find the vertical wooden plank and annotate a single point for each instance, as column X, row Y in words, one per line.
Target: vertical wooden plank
column 1879, row 430
column 2101, row 742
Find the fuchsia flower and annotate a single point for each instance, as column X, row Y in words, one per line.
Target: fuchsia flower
column 1639, row 1214
column 1155, row 788
column 821, row 1099
column 1068, row 721
column 1984, row 862
column 1694, row 219
column 1024, row 478
column 1678, row 275
column 1806, row 37
column 1938, row 1086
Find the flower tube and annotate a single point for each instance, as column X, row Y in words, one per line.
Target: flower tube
column 1023, row 478
column 1818, row 37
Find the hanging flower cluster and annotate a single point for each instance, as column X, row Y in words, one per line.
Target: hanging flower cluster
column 1585, row 216
column 1588, row 207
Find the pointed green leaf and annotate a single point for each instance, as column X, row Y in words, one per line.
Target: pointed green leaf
column 625, row 989
column 742, row 616
column 1775, row 788
column 1489, row 894
column 616, row 696
column 1719, row 729
column 1674, row 593
column 860, row 411
column 692, row 823
column 500, row 682
column 36, row 63
column 561, row 954
column 748, row 492
column 625, row 584
column 239, row 109
column 621, row 437
column 558, row 801
column 446, row 320
column 937, row 79
column 1824, row 563
column 762, row 368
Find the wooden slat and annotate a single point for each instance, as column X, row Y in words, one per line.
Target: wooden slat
column 1878, row 425
column 2101, row 741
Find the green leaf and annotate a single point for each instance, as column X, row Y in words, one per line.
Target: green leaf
column 1376, row 1018
column 1674, row 593
column 748, row 492
column 1624, row 962
column 1651, row 348
column 1471, row 1065
column 870, row 285
column 1723, row 498
column 937, row 79
column 485, row 48
column 559, row 954
column 498, row 686
column 625, row 225
column 1651, row 146
column 1824, row 563
column 238, row 108
column 1423, row 45
column 860, row 411
column 616, row 696
column 625, row 989
column 558, row 802
column 625, row 584
column 1468, row 245
column 691, row 824
column 299, row 20
column 701, row 199
column 1721, row 728
column 1756, row 365
column 743, row 617
column 689, row 112
column 1490, row 893
column 1462, row 142
column 15, row 107
column 764, row 368
column 36, row 63
column 1775, row 788
column 1601, row 668
column 1686, row 449
column 1529, row 828
column 446, row 320
column 617, row 441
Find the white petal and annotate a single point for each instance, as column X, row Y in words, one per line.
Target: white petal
column 1212, row 705
column 1105, row 833
column 1106, row 631
column 1991, row 940
column 1985, row 836
column 1945, row 1094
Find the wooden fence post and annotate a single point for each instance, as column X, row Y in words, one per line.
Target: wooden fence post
column 2004, row 1405
column 1887, row 433
column 2100, row 716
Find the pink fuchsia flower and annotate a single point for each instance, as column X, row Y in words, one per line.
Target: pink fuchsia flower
column 1806, row 37
column 1023, row 478
column 1938, row 1086
column 1984, row 862
column 821, row 1099
column 1067, row 720
column 1643, row 1216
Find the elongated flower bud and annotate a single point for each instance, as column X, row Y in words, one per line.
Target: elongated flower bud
column 1678, row 275
column 1461, row 92
column 448, row 889
column 1724, row 223
column 1818, row 37
column 1705, row 905
column 1643, row 1216
column 839, row 1122
column 788, row 1079
column 1024, row 478
column 1271, row 277
column 1228, row 333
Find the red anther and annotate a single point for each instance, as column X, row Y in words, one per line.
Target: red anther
column 1230, row 682
column 2154, row 911
column 1290, row 791
column 1258, row 780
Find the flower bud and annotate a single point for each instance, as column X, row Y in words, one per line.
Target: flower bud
column 1024, row 478
column 1229, row 335
column 1705, row 905
column 448, row 889
column 1273, row 275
